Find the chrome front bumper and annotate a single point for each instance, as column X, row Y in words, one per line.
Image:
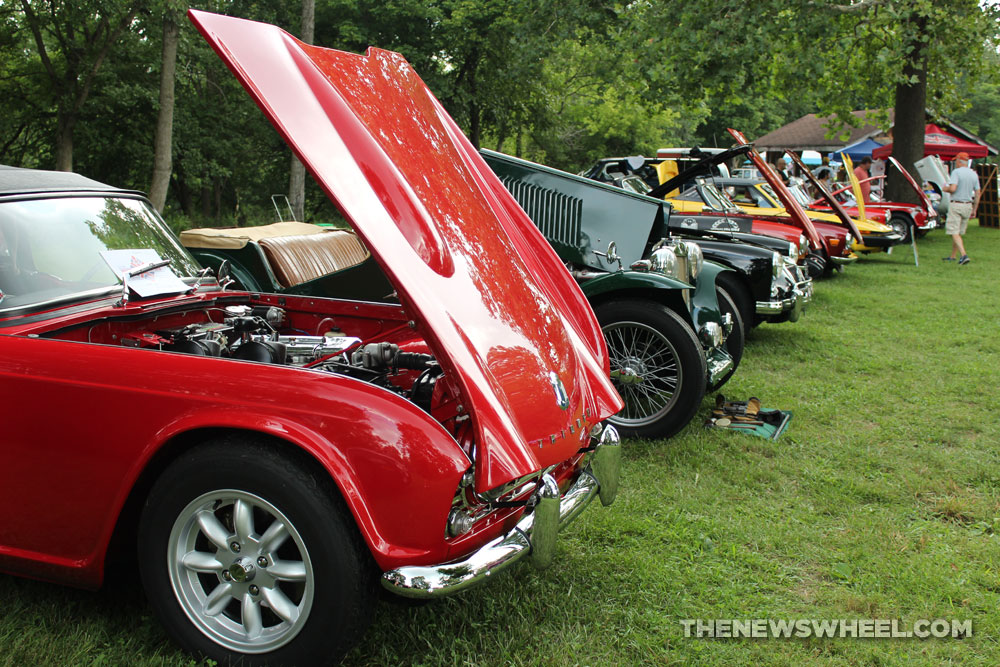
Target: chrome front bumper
column 841, row 261
column 719, row 362
column 794, row 303
column 534, row 534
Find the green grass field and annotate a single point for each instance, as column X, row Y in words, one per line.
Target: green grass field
column 882, row 500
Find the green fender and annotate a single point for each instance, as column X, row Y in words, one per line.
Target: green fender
column 624, row 281
column 704, row 300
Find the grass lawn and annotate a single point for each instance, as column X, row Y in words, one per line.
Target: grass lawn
column 881, row 501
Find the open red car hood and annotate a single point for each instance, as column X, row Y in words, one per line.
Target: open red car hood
column 487, row 292
column 795, row 210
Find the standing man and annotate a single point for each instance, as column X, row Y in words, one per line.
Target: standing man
column 964, row 189
column 861, row 173
column 823, row 164
column 782, row 168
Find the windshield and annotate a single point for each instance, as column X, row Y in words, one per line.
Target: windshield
column 51, row 248
column 716, row 199
column 799, row 193
column 635, row 184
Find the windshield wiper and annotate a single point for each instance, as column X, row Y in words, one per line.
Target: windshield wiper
column 135, row 273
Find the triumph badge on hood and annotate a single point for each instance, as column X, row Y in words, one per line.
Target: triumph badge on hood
column 562, row 398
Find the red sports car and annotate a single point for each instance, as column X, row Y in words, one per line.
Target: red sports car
column 274, row 456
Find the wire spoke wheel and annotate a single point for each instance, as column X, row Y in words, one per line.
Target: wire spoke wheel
column 645, row 368
column 657, row 366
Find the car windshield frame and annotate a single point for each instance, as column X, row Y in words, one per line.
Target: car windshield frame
column 51, row 244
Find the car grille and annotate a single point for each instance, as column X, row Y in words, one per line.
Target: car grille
column 555, row 214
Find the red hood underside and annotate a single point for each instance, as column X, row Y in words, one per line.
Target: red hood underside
column 486, row 290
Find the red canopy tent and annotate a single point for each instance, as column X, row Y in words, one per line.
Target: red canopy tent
column 939, row 142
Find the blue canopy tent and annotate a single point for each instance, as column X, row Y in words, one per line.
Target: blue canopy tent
column 856, row 150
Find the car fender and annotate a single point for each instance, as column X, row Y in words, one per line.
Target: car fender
column 653, row 285
column 704, row 299
column 384, row 453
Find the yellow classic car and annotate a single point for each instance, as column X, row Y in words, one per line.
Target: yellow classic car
column 756, row 197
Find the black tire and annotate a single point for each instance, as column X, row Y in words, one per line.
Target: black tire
column 817, row 264
column 312, row 612
column 902, row 225
column 737, row 337
column 665, row 383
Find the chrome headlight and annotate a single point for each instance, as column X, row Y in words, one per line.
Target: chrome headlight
column 663, row 260
column 777, row 263
column 696, row 258
column 793, row 252
column 803, row 245
column 849, row 241
column 711, row 335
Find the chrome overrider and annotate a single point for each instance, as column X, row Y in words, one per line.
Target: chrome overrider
column 534, row 534
column 795, row 299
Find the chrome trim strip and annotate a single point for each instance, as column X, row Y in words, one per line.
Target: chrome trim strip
column 844, row 260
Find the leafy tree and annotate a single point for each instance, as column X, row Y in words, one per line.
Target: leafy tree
column 72, row 41
column 911, row 55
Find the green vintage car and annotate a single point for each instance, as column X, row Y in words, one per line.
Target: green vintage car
column 669, row 326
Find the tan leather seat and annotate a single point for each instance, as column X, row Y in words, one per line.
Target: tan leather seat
column 299, row 259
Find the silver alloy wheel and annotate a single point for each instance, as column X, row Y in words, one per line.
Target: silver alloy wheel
column 240, row 570
column 645, row 370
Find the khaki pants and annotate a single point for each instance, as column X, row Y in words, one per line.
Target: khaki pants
column 959, row 213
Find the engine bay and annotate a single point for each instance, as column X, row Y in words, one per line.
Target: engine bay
column 374, row 345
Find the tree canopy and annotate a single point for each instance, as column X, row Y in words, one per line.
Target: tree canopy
column 561, row 82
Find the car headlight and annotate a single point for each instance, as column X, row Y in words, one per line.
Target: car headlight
column 803, row 245
column 793, row 251
column 776, row 264
column 663, row 260
column 849, row 241
column 695, row 258
column 711, row 335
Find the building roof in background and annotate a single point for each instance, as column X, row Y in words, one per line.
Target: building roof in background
column 810, row 133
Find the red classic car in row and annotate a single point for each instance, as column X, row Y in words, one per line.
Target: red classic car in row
column 905, row 219
column 273, row 456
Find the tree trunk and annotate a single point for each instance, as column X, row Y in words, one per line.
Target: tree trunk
column 475, row 132
column 217, row 197
column 206, row 199
column 297, row 172
column 64, row 141
column 162, row 143
column 910, row 120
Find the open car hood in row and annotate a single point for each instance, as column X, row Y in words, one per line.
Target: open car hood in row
column 792, row 206
column 487, row 292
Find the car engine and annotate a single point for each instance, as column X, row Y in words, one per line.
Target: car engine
column 251, row 333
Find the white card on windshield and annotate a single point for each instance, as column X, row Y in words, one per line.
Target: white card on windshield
column 158, row 281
